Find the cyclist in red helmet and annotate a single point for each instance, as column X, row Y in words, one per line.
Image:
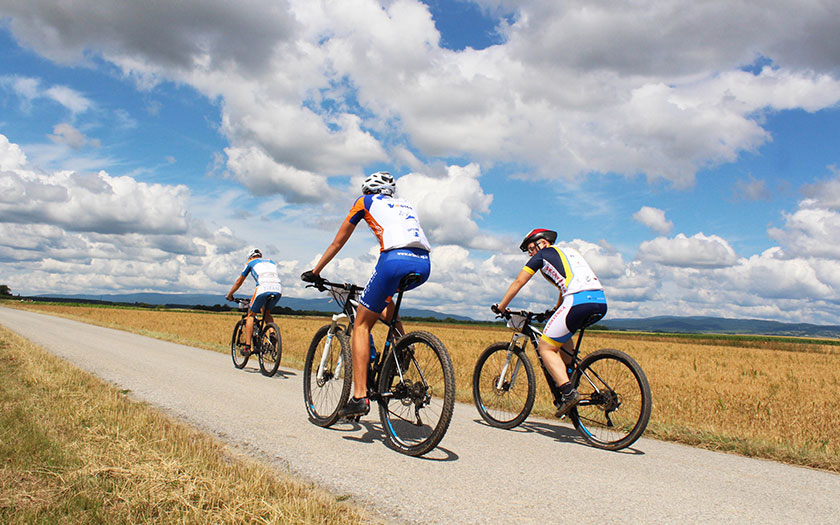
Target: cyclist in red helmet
column 581, row 295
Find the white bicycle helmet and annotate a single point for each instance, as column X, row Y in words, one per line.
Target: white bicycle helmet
column 379, row 182
column 254, row 253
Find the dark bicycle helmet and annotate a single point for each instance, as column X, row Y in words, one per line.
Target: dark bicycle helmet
column 535, row 235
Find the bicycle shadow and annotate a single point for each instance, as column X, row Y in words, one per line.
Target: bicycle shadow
column 561, row 432
column 374, row 433
column 280, row 374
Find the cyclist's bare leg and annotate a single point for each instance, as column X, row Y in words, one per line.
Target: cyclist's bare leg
column 249, row 327
column 266, row 313
column 360, row 346
column 553, row 359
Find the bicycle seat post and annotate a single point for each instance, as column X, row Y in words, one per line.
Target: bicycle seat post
column 405, row 282
column 580, row 338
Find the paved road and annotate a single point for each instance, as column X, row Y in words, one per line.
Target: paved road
column 539, row 473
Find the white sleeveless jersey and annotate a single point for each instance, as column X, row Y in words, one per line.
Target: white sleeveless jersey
column 565, row 268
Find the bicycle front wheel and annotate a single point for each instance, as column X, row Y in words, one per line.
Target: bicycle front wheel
column 418, row 397
column 504, row 386
column 237, row 345
column 271, row 348
column 327, row 375
column 615, row 400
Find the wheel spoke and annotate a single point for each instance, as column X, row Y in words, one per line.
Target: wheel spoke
column 616, row 400
column 325, row 392
column 417, row 412
column 503, row 386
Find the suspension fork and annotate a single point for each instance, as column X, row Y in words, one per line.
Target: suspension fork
column 325, row 354
column 514, row 343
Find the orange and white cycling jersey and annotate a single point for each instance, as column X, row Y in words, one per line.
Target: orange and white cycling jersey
column 393, row 221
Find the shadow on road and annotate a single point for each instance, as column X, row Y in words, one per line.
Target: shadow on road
column 373, row 433
column 280, row 374
column 558, row 432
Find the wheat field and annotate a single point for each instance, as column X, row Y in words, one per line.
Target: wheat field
column 757, row 398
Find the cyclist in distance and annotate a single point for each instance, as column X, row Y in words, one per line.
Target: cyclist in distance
column 403, row 249
column 581, row 295
column 266, row 294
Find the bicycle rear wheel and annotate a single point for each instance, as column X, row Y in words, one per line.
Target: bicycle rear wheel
column 237, row 343
column 327, row 375
column 615, row 400
column 271, row 349
column 504, row 386
column 416, row 407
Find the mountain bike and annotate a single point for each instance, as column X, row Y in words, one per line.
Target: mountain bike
column 615, row 400
column 266, row 342
column 411, row 379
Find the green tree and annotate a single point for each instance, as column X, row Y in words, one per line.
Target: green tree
column 4, row 290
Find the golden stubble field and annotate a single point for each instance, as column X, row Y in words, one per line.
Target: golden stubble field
column 765, row 399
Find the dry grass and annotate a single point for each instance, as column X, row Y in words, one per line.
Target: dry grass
column 75, row 450
column 769, row 399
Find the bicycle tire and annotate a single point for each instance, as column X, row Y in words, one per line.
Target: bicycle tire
column 616, row 402
column 271, row 349
column 240, row 358
column 506, row 407
column 324, row 397
column 416, row 409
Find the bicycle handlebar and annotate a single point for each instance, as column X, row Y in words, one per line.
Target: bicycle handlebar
column 322, row 285
column 535, row 316
column 241, row 301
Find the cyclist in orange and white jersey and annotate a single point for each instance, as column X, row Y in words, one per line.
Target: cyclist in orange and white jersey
column 403, row 249
column 581, row 295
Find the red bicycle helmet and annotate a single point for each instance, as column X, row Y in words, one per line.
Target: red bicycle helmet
column 535, row 235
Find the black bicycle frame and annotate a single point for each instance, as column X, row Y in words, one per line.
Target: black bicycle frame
column 375, row 366
column 534, row 336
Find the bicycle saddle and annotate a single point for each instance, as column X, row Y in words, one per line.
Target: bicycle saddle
column 592, row 319
column 409, row 280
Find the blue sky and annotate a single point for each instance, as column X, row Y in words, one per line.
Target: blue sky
column 693, row 160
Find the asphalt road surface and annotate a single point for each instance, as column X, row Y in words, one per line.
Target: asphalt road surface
column 540, row 472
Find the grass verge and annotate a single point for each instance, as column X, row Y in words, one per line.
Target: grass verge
column 76, row 450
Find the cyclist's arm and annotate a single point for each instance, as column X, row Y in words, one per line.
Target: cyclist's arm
column 236, row 285
column 341, row 237
column 514, row 288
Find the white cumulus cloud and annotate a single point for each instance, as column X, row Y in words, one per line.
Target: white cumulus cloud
column 654, row 218
column 697, row 251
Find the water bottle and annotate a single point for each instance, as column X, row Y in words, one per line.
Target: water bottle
column 372, row 349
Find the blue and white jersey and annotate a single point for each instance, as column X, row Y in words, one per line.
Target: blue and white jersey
column 264, row 272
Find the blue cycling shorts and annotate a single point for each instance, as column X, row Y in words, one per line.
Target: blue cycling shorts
column 264, row 299
column 392, row 266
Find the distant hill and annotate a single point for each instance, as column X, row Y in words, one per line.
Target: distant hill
column 664, row 324
column 183, row 299
column 719, row 325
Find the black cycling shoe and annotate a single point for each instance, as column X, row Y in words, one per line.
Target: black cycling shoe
column 355, row 407
column 567, row 402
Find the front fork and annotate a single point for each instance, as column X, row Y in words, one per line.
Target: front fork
column 322, row 365
column 512, row 348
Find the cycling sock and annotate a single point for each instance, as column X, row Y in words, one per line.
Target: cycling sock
column 566, row 388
